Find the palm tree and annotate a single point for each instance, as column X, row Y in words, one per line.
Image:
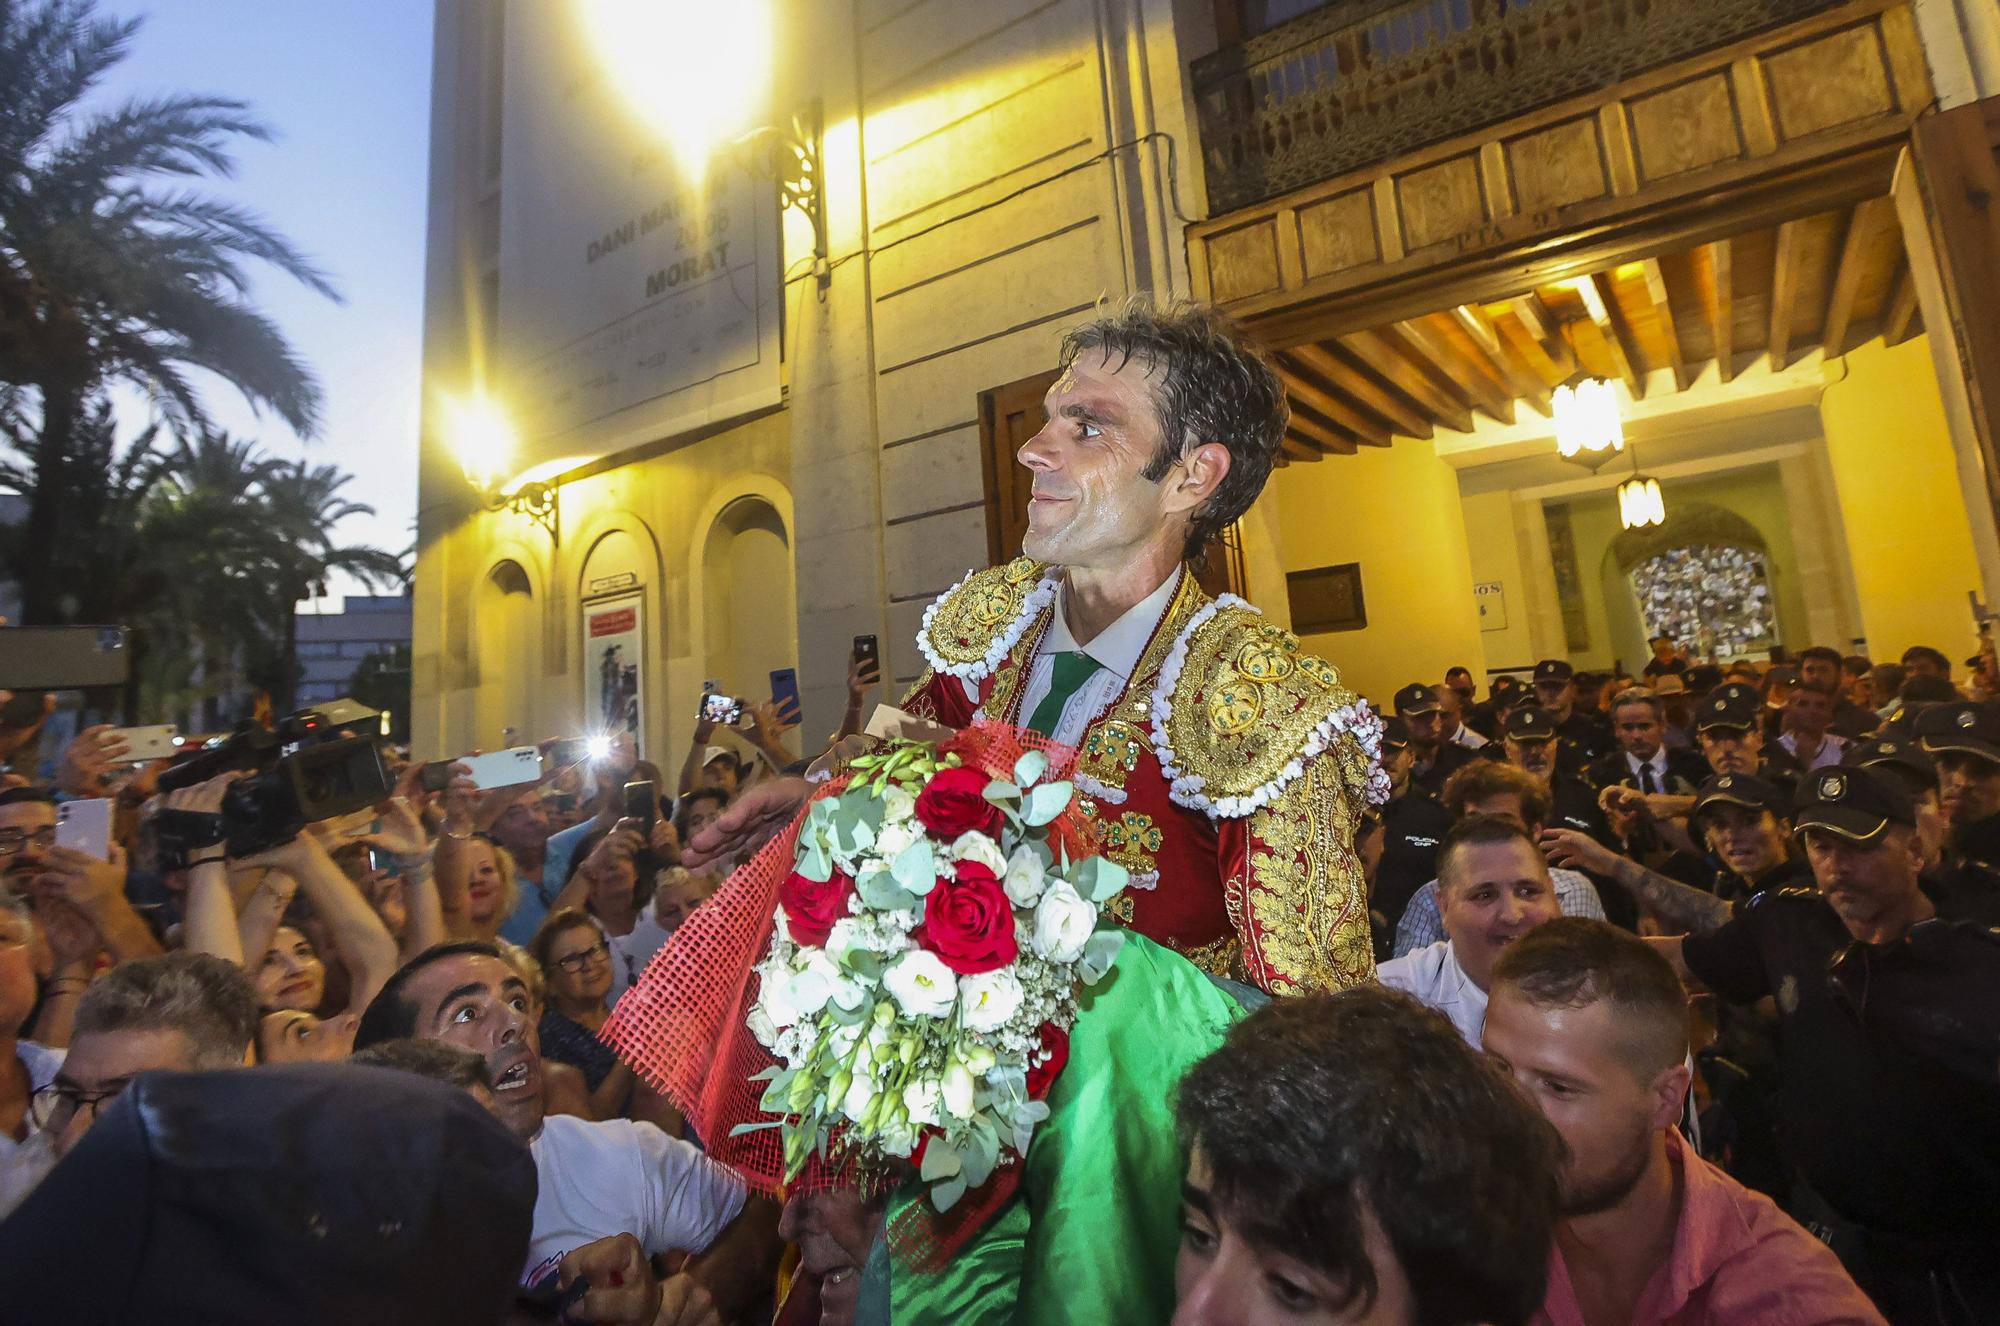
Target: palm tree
column 111, row 273
column 303, row 505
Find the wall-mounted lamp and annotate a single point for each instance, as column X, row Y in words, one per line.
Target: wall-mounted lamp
column 483, row 440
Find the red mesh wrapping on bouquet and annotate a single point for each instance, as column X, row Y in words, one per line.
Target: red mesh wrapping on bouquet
column 683, row 1025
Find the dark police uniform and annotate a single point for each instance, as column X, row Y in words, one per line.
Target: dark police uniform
column 1888, row 1091
column 1967, row 884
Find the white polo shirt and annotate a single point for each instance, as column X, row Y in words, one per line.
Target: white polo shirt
column 1433, row 975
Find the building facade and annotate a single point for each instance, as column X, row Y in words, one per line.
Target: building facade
column 1431, row 232
column 333, row 644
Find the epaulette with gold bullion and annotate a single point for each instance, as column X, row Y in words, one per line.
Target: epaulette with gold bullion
column 968, row 630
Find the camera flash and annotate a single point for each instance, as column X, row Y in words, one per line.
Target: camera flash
column 598, row 748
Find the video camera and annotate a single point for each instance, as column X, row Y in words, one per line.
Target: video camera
column 302, row 770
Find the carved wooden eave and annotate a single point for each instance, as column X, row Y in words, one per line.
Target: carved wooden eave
column 1799, row 122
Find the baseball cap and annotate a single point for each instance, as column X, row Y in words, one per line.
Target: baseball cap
column 1744, row 790
column 1531, row 722
column 1416, row 698
column 1704, row 677
column 1505, row 690
column 1856, row 804
column 1895, row 751
column 1669, row 685
column 1554, row 669
column 1969, row 727
column 1395, row 733
column 714, row 753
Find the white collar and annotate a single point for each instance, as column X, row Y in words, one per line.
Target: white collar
column 1659, row 760
column 1118, row 646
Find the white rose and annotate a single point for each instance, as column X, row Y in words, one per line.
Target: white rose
column 1024, row 878
column 972, row 845
column 1063, row 922
column 957, row 1090
column 774, row 993
column 893, row 838
column 991, row 998
column 860, row 1094
column 898, row 804
column 921, row 984
column 815, row 982
column 922, row 1099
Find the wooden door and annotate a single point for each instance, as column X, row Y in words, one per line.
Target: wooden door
column 1008, row 417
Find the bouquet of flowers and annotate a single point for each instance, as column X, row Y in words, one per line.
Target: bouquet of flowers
column 921, row 976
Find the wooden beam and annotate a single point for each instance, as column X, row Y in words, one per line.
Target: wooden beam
column 1625, row 353
column 1899, row 319
column 1521, row 377
column 1308, row 389
column 1722, row 310
column 1382, row 356
column 1863, row 227
column 1471, row 377
column 1321, row 434
column 1784, row 293
column 1293, row 447
column 1547, row 333
column 1354, row 382
column 1670, row 331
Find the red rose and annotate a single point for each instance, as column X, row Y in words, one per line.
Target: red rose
column 968, row 922
column 1055, row 1043
column 952, row 802
column 811, row 908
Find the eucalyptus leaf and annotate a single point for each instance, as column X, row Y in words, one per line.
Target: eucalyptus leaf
column 982, row 1153
column 915, row 868
column 815, row 862
column 880, row 891
column 742, row 1128
column 1041, row 804
column 946, row 1193
column 940, row 1161
column 1030, row 767
column 998, row 792
column 1099, row 878
column 1099, row 952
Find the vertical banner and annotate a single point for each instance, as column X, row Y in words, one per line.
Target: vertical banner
column 614, row 656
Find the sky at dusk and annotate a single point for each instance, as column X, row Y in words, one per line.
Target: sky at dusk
column 345, row 86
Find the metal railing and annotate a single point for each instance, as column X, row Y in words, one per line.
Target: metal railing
column 1361, row 81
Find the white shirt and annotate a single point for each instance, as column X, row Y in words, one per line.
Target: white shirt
column 631, row 952
column 595, row 1180
column 25, row 1163
column 1830, row 750
column 1467, row 738
column 1433, row 975
column 1115, row 650
column 1633, row 764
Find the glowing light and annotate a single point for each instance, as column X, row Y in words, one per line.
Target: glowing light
column 1640, row 503
column 481, row 437
column 597, row 749
column 1587, row 421
column 697, row 72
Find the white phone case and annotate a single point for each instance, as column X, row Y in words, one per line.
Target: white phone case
column 85, row 826
column 504, row 768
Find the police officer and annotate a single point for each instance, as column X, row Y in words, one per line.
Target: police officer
column 1531, row 745
column 1584, row 736
column 1435, row 759
column 1744, row 822
column 1414, row 823
column 1964, row 740
column 1489, row 717
column 1889, row 1030
column 1729, row 730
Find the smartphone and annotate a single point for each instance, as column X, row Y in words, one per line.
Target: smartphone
column 723, row 709
column 567, row 751
column 785, row 694
column 378, row 859
column 23, row 709
column 866, row 651
column 85, row 826
column 158, row 742
column 436, row 776
column 504, row 768
column 642, row 803
column 58, row 658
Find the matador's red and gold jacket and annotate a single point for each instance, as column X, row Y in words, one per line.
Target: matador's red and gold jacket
column 1227, row 777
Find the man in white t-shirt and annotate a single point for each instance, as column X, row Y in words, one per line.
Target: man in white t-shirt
column 596, row 1179
column 1494, row 887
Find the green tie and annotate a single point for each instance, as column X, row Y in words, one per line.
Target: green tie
column 1073, row 669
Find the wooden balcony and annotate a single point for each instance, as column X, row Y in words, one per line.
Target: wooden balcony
column 1361, row 81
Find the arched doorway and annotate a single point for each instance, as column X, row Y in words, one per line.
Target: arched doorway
column 749, row 618
column 1704, row 579
column 505, row 631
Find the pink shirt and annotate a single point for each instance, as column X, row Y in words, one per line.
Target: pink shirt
column 1736, row 1258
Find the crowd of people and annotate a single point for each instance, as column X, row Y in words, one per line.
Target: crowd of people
column 1805, row 846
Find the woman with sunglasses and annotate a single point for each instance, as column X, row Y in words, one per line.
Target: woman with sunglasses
column 576, row 963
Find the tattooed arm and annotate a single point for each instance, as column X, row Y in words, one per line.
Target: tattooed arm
column 1672, row 901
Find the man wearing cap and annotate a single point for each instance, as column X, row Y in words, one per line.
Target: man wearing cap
column 1530, row 745
column 1964, row 740
column 1666, row 660
column 1889, row 1022
column 1433, row 759
column 1903, row 758
column 1729, row 730
column 1583, row 736
column 1414, row 824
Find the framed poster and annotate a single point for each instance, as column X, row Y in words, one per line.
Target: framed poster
column 614, row 661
